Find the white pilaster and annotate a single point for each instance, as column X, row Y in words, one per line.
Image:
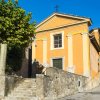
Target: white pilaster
column 86, row 55
column 44, row 51
column 70, row 53
column 3, row 54
column 33, row 50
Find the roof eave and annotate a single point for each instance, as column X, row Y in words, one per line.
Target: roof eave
column 65, row 15
column 94, row 42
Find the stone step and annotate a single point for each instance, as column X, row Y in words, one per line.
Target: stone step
column 2, row 98
column 29, row 86
column 24, row 92
column 29, row 80
column 28, row 83
column 24, row 87
column 25, row 83
column 21, row 98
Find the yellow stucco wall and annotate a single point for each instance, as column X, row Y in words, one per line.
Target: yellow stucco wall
column 96, row 34
column 94, row 61
column 81, row 52
column 57, row 21
column 39, row 51
column 78, row 53
column 77, row 46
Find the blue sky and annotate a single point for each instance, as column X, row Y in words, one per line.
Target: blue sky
column 41, row 9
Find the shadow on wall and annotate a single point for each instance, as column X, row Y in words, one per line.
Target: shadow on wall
column 28, row 69
column 37, row 68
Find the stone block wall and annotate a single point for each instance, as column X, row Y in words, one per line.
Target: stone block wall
column 3, row 53
column 2, row 86
column 58, row 83
column 55, row 84
column 92, row 83
column 10, row 83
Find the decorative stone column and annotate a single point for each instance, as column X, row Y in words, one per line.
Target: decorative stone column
column 86, row 54
column 70, row 53
column 45, row 51
column 3, row 53
column 40, row 86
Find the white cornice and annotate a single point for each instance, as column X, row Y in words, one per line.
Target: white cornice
column 68, row 25
column 64, row 15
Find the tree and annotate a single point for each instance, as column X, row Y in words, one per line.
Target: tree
column 14, row 24
column 15, row 28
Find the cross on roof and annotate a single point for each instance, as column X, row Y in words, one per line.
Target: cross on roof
column 56, row 8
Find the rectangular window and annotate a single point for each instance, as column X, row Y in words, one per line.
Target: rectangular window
column 57, row 40
column 57, row 63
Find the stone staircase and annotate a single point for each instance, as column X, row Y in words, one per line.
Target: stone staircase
column 25, row 90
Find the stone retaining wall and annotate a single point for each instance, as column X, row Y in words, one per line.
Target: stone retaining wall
column 58, row 83
column 55, row 84
column 92, row 83
column 10, row 83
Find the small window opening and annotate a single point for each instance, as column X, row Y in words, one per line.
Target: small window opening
column 79, row 83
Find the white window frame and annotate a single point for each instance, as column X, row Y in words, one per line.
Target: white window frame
column 52, row 40
column 63, row 61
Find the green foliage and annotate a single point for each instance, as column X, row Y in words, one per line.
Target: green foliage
column 15, row 30
column 14, row 58
column 14, row 24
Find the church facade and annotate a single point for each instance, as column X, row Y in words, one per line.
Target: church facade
column 64, row 41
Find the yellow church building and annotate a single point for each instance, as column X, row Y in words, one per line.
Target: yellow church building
column 64, row 41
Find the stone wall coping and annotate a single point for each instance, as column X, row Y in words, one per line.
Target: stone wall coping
column 14, row 76
column 39, row 75
column 65, row 71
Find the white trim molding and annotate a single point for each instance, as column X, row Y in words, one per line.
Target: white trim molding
column 44, row 51
column 70, row 50
column 71, row 67
column 33, row 50
column 52, row 40
column 64, row 15
column 86, row 55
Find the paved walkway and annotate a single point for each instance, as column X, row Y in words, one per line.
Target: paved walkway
column 94, row 94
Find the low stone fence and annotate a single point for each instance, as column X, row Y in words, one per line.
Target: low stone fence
column 55, row 84
column 58, row 83
column 10, row 83
column 92, row 83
